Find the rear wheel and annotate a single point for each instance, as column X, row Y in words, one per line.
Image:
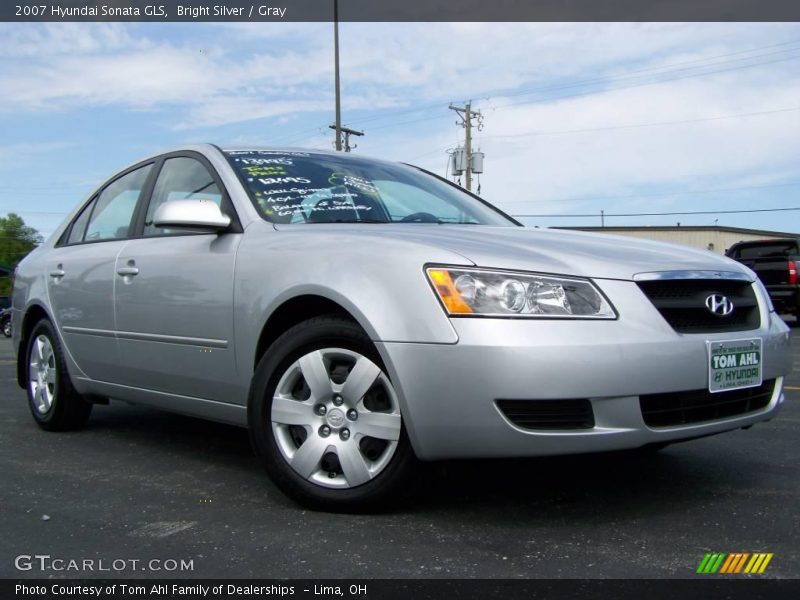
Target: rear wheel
column 325, row 418
column 7, row 326
column 54, row 403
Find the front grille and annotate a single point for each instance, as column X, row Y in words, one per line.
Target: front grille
column 548, row 414
column 682, row 302
column 696, row 406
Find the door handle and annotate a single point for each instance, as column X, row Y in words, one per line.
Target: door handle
column 58, row 272
column 128, row 271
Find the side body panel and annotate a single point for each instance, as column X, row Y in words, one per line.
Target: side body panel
column 380, row 282
column 174, row 318
column 80, row 282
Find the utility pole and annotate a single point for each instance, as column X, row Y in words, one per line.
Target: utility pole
column 338, row 125
column 467, row 115
column 468, row 143
column 347, row 133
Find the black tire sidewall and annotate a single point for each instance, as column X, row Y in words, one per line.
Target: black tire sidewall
column 312, row 335
column 68, row 410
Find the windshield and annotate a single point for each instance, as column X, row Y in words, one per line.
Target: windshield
column 300, row 187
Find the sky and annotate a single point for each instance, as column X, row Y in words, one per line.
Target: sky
column 578, row 118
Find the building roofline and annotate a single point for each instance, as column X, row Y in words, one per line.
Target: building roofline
column 718, row 228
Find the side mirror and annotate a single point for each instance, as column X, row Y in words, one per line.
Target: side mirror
column 193, row 214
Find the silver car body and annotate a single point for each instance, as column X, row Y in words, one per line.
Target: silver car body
column 184, row 334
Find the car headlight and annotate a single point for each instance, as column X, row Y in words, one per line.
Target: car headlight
column 480, row 292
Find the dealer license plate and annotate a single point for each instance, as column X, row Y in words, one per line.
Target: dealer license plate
column 734, row 364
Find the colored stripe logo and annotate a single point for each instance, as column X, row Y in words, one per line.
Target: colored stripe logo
column 735, row 562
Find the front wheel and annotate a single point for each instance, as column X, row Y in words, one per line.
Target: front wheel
column 54, row 403
column 7, row 327
column 325, row 419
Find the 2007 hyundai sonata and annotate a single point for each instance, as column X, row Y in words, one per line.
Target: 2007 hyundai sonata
column 359, row 315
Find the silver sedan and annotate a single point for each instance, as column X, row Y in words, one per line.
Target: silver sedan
column 358, row 316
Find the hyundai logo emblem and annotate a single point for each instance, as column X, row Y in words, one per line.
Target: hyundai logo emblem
column 335, row 417
column 719, row 305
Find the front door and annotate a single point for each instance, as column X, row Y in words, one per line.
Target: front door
column 174, row 296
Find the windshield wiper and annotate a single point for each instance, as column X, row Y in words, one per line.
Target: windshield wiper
column 349, row 221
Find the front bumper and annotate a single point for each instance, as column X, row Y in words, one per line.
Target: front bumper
column 448, row 392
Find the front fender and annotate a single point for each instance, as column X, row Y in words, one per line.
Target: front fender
column 381, row 283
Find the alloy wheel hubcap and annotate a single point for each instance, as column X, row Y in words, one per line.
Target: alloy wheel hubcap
column 335, row 418
column 42, row 374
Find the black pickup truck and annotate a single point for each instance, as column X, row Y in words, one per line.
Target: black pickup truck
column 775, row 262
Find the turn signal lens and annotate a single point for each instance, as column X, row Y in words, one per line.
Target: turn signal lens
column 453, row 301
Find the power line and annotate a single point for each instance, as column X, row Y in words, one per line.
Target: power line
column 618, row 127
column 290, row 138
column 399, row 123
column 589, row 93
column 32, row 212
column 638, row 125
column 657, row 71
column 653, row 71
column 666, row 67
column 635, row 85
column 662, row 214
column 669, row 194
column 50, row 188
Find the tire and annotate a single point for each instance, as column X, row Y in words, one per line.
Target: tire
column 344, row 468
column 54, row 403
column 7, row 327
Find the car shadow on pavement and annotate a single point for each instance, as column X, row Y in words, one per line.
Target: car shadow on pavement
column 152, row 428
column 583, row 487
column 581, row 484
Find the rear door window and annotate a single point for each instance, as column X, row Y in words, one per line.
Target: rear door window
column 113, row 211
column 79, row 225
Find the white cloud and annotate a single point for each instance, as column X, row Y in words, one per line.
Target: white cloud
column 60, row 39
column 14, row 153
column 62, row 66
column 572, row 165
column 206, row 76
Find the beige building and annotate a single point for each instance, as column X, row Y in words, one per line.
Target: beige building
column 714, row 238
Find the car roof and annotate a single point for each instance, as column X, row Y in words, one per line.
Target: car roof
column 309, row 151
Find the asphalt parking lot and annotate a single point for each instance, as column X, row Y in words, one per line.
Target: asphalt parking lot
column 140, row 484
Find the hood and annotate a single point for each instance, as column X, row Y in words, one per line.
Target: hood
column 596, row 255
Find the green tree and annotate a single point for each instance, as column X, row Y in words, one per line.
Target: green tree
column 16, row 241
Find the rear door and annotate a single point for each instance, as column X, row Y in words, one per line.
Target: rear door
column 174, row 293
column 80, row 273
